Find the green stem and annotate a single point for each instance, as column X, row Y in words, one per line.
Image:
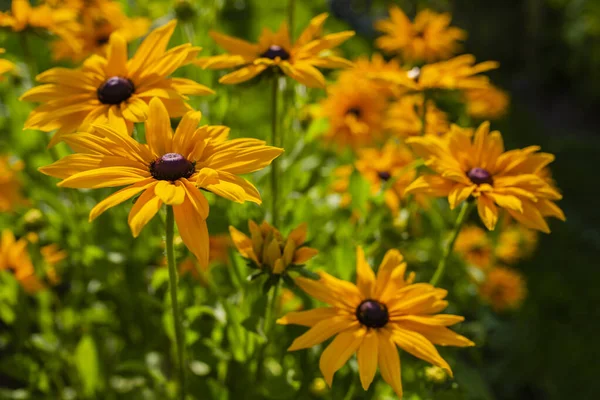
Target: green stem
column 270, row 312
column 291, row 10
column 174, row 303
column 31, row 62
column 462, row 217
column 275, row 164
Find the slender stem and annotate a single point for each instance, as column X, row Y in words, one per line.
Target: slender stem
column 462, row 216
column 270, row 313
column 275, row 141
column 174, row 302
column 31, row 62
column 291, row 10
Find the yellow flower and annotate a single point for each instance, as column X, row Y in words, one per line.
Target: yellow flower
column 374, row 317
column 468, row 165
column 490, row 102
column 503, row 288
column 373, row 68
column 474, row 246
column 170, row 170
column 114, row 90
column 60, row 21
column 378, row 167
column 10, row 185
column 269, row 250
column 15, row 258
column 515, row 243
column 429, row 38
column 457, row 73
column 5, row 65
column 299, row 60
column 355, row 110
column 405, row 117
column 99, row 20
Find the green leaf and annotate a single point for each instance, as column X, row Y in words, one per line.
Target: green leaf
column 86, row 362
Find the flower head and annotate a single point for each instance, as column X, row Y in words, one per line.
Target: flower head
column 474, row 246
column 269, row 250
column 373, row 317
column 475, row 165
column 391, row 164
column 170, row 170
column 114, row 90
column 404, row 117
column 355, row 110
column 503, row 288
column 5, row 65
column 490, row 102
column 298, row 60
column 15, row 258
column 10, row 185
column 429, row 38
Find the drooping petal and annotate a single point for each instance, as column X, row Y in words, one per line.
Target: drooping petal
column 368, row 354
column 417, row 345
column 389, row 361
column 120, row 196
column 146, row 207
column 193, row 230
column 339, row 351
column 488, row 212
column 170, row 193
column 322, row 331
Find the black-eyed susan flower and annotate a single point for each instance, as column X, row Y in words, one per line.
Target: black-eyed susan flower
column 60, row 21
column 14, row 258
column 170, row 170
column 355, row 110
column 429, row 38
column 515, row 243
column 475, row 165
column 5, row 65
column 487, row 103
column 503, row 288
column 269, row 250
column 475, row 246
column 405, row 117
column 114, row 90
column 390, row 164
column 100, row 19
column 299, row 60
column 10, row 185
column 374, row 316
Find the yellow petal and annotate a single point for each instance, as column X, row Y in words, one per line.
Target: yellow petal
column 242, row 74
column 158, row 128
column 116, row 56
column 322, row 331
column 392, row 260
column 368, row 354
column 389, row 361
column 339, row 351
column 104, row 177
column 146, row 207
column 439, row 335
column 120, row 196
column 171, row 193
column 417, row 345
column 193, row 230
column 487, row 211
column 303, row 254
column 365, row 277
column 308, row 318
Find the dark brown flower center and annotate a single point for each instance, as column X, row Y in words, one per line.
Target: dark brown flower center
column 384, row 175
column 354, row 111
column 372, row 314
column 479, row 176
column 172, row 166
column 115, row 90
column 102, row 40
column 275, row 51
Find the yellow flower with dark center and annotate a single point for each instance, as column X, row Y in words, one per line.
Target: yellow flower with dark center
column 373, row 317
column 390, row 163
column 10, row 185
column 430, row 38
column 503, row 288
column 458, row 73
column 475, row 165
column 15, row 259
column 405, row 117
column 355, row 110
column 298, row 60
column 171, row 169
column 487, row 103
column 60, row 21
column 98, row 21
column 114, row 90
column 269, row 250
column 474, row 246
column 5, row 65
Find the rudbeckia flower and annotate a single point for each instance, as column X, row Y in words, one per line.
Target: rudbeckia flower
column 15, row 259
column 171, row 169
column 515, row 243
column 430, row 38
column 60, row 21
column 299, row 60
column 114, row 90
column 390, row 163
column 10, row 185
column 404, row 117
column 5, row 65
column 269, row 250
column 474, row 246
column 99, row 20
column 503, row 288
column 488, row 103
column 475, row 165
column 374, row 316
column 355, row 110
